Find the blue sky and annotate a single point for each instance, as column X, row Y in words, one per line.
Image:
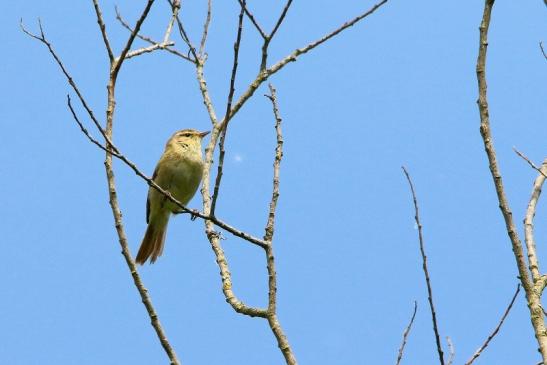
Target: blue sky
column 397, row 89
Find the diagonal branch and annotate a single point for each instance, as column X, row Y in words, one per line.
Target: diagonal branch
column 117, row 63
column 265, row 73
column 42, row 38
column 184, row 34
column 496, row 330
column 529, row 225
column 281, row 18
column 406, row 333
column 253, row 20
column 532, row 165
column 116, row 153
column 103, row 30
column 424, row 266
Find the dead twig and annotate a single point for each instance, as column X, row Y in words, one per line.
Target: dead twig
column 406, row 333
column 224, row 129
column 425, row 269
column 496, row 330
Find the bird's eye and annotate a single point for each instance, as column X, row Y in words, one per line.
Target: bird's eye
column 187, row 135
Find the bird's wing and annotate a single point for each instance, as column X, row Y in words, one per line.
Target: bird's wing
column 154, row 175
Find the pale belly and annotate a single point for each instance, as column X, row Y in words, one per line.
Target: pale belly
column 181, row 179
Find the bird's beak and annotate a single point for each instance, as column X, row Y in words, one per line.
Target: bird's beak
column 203, row 134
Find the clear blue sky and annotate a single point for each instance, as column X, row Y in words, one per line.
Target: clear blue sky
column 397, row 89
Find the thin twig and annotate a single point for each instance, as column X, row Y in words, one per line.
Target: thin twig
column 264, row 74
column 426, row 271
column 184, row 35
column 406, row 333
column 532, row 297
column 253, row 20
column 224, row 129
column 116, row 153
column 451, row 351
column 496, row 330
column 86, row 132
column 541, row 45
column 159, row 45
column 42, row 38
column 205, row 29
column 103, row 30
column 117, row 63
column 281, row 18
column 532, row 164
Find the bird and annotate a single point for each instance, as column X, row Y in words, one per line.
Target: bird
column 179, row 171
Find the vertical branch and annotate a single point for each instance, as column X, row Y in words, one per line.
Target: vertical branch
column 115, row 66
column 406, row 333
column 426, row 271
column 282, row 341
column 205, row 29
column 532, row 296
column 227, row 116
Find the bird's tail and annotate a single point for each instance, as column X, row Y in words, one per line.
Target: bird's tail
column 152, row 243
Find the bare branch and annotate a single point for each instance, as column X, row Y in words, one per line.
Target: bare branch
column 116, row 153
column 529, row 226
column 103, row 30
column 281, row 18
column 541, row 45
column 117, row 63
column 198, row 59
column 451, row 351
column 424, row 266
column 277, row 330
column 175, row 12
column 533, row 165
column 125, row 251
column 406, row 333
column 264, row 74
column 532, row 297
column 224, row 129
column 496, row 330
column 42, row 38
column 253, row 20
column 86, row 132
column 159, row 45
column 205, row 29
column 276, row 166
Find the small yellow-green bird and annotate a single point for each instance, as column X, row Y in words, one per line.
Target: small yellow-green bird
column 178, row 171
